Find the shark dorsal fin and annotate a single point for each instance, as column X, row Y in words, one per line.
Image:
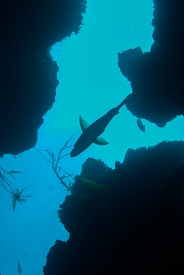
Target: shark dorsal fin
column 83, row 124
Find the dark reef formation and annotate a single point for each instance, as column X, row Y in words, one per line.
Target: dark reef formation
column 152, row 72
column 134, row 226
column 28, row 75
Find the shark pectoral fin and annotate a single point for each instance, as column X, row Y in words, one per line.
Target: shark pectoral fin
column 83, row 124
column 100, row 141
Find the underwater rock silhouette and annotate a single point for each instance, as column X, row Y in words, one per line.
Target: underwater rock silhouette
column 142, row 235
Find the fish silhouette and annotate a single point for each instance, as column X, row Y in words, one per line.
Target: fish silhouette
column 19, row 268
column 141, row 125
column 91, row 134
column 14, row 172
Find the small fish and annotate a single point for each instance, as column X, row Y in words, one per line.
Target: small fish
column 140, row 125
column 14, row 172
column 19, row 268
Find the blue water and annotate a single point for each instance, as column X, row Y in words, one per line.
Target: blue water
column 90, row 85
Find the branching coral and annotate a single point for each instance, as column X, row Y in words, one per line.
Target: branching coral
column 55, row 161
column 3, row 179
column 16, row 195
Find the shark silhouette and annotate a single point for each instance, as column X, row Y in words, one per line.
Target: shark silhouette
column 91, row 133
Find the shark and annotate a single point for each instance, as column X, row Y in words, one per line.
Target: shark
column 91, row 133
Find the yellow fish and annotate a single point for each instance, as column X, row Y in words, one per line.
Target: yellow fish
column 97, row 191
